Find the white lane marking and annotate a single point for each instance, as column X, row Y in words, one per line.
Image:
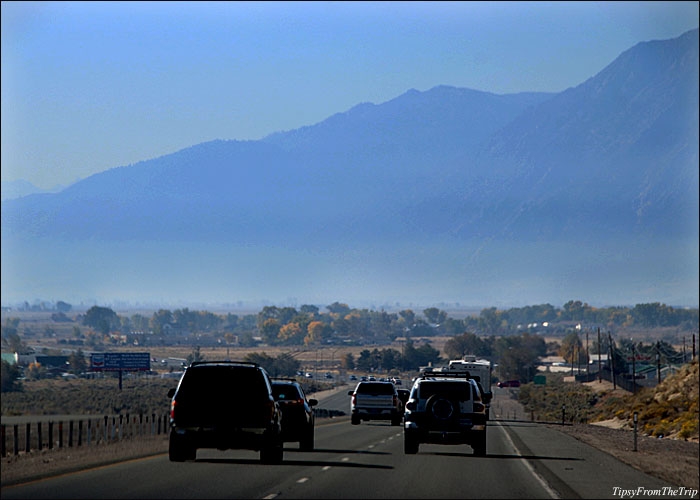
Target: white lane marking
column 326, row 467
column 371, row 446
column 345, row 459
column 270, row 496
column 547, row 488
column 303, row 480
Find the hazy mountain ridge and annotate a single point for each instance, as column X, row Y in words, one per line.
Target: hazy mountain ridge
column 610, row 163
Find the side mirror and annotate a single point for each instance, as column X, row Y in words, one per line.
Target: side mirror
column 313, row 402
column 171, row 393
column 350, row 393
column 411, row 405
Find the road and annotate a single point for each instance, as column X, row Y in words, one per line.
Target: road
column 524, row 460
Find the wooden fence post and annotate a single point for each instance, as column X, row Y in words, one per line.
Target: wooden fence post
column 88, row 431
column 15, row 441
column 4, row 444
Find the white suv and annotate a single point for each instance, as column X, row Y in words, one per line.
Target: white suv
column 445, row 408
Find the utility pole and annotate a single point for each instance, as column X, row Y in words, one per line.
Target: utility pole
column 693, row 346
column 612, row 361
column 600, row 372
column 634, row 372
column 587, row 353
column 658, row 364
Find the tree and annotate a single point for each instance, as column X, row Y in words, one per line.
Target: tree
column 63, row 307
column 77, row 361
column 309, row 309
column 338, row 308
column 36, row 371
column 571, row 346
column 468, row 343
column 348, row 361
column 102, row 319
column 195, row 355
column 435, row 315
column 8, row 377
column 315, row 333
column 291, row 333
column 270, row 331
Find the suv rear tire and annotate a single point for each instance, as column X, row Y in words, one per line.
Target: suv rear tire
column 179, row 450
column 355, row 420
column 307, row 442
column 410, row 444
column 479, row 444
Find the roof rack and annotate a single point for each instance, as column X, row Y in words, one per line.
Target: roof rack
column 246, row 363
column 284, row 379
column 449, row 374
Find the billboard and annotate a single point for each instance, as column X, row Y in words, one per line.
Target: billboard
column 120, row 361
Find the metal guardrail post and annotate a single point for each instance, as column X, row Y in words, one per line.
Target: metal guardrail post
column 80, row 432
column 50, row 435
column 28, row 438
column 60, row 434
column 70, row 433
column 38, row 435
column 15, row 440
column 88, row 431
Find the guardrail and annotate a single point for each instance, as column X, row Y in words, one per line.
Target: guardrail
column 80, row 432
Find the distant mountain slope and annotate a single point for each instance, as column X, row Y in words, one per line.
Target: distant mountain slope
column 456, row 177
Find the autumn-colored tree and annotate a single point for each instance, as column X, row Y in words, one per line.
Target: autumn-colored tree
column 270, row 330
column 571, row 348
column 291, row 333
column 314, row 333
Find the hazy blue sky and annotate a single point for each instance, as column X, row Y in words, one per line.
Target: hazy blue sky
column 91, row 86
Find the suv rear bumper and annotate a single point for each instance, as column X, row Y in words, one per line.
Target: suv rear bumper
column 376, row 413
column 444, row 436
column 245, row 438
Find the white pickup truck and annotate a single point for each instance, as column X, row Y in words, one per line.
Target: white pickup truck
column 375, row 401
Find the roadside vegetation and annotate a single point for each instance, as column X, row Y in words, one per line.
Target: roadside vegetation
column 667, row 410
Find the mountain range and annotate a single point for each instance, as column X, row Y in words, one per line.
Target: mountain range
column 450, row 194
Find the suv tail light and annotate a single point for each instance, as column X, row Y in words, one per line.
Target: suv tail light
column 270, row 409
column 172, row 409
column 396, row 400
column 478, row 407
column 354, row 399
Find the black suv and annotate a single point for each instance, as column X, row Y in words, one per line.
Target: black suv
column 224, row 405
column 445, row 408
column 298, row 413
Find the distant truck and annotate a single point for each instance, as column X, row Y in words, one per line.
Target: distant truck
column 479, row 369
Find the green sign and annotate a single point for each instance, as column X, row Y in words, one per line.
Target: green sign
column 540, row 380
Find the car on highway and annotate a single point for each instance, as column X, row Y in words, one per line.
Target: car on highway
column 445, row 408
column 297, row 412
column 353, row 377
column 224, row 405
column 509, row 383
column 375, row 401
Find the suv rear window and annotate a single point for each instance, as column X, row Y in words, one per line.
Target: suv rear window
column 206, row 383
column 381, row 388
column 285, row 391
column 457, row 390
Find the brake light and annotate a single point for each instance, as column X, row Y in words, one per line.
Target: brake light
column 172, row 409
column 271, row 409
column 396, row 401
column 354, row 398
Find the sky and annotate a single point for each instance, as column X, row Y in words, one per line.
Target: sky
column 91, row 86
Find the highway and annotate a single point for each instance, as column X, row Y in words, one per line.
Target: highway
column 524, row 460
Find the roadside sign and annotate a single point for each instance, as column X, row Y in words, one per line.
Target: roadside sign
column 120, row 361
column 540, row 380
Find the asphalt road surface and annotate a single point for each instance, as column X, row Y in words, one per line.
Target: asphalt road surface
column 524, row 460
